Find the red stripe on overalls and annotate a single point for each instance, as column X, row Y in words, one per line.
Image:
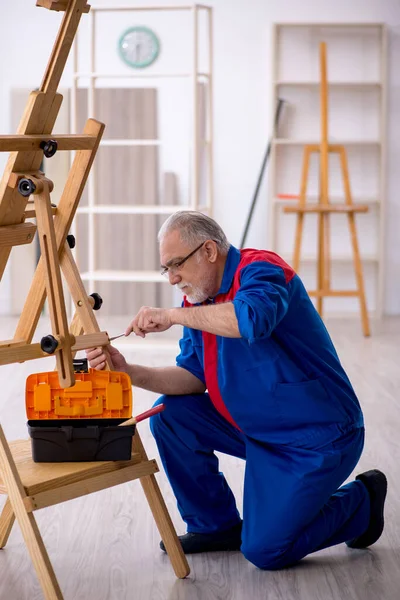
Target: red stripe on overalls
column 210, row 372
column 248, row 256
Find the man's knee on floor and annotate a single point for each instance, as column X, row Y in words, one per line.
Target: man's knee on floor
column 269, row 559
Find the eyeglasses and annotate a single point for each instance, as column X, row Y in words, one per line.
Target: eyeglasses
column 175, row 266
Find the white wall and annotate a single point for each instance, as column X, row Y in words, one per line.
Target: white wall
column 242, row 95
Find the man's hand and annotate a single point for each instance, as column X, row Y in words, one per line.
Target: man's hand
column 150, row 320
column 97, row 359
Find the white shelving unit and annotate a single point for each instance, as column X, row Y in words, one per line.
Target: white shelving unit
column 199, row 73
column 356, row 66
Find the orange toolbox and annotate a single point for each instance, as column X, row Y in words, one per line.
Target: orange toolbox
column 80, row 423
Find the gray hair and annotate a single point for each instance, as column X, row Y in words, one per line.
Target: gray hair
column 195, row 227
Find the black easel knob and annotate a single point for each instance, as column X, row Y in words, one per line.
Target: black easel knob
column 49, row 148
column 48, row 344
column 98, row 300
column 71, row 240
column 26, row 187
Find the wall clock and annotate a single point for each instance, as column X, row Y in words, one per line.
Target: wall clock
column 139, row 47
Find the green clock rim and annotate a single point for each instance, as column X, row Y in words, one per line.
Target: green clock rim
column 155, row 40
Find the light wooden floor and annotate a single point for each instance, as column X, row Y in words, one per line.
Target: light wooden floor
column 105, row 546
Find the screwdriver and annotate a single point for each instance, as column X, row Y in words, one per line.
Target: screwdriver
column 116, row 337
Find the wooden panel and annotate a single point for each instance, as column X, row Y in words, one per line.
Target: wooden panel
column 202, row 138
column 124, row 175
column 165, row 292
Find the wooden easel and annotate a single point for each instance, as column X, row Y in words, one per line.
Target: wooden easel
column 28, row 485
column 324, row 209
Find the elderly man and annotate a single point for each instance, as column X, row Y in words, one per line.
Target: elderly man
column 277, row 397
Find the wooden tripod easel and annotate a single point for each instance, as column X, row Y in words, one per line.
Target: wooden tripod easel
column 28, row 485
column 324, row 209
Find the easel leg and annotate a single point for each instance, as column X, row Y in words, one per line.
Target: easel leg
column 300, row 216
column 297, row 241
column 323, row 219
column 321, row 262
column 354, row 243
column 322, row 231
column 162, row 517
column 84, row 319
column 27, row 523
column 7, row 520
column 327, row 252
column 76, row 327
column 359, row 275
column 55, row 295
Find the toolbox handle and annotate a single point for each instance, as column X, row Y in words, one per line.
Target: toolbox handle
column 67, row 430
column 90, row 432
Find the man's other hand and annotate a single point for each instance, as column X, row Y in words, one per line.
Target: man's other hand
column 97, row 359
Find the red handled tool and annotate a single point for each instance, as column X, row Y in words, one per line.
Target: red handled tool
column 144, row 415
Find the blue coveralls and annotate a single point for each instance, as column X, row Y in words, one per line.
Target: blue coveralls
column 278, row 398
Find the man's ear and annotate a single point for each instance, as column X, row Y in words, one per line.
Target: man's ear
column 211, row 249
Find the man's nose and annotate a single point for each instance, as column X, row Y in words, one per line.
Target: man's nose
column 174, row 278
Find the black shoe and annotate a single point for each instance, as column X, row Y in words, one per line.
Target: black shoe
column 193, row 543
column 376, row 483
